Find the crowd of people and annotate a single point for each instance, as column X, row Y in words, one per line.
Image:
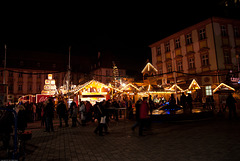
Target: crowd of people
column 85, row 113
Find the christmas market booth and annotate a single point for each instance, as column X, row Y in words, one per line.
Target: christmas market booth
column 129, row 91
column 187, row 87
column 222, row 91
column 158, row 93
column 93, row 91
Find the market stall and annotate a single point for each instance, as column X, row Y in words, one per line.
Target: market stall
column 93, row 91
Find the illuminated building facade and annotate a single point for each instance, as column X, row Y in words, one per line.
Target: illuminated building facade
column 26, row 71
column 206, row 52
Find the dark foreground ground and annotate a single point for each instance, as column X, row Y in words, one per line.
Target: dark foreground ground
column 208, row 139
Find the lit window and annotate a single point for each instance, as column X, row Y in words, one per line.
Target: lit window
column 205, row 61
column 223, row 30
column 191, row 63
column 189, row 38
column 236, row 31
column 202, row 34
column 208, row 91
column 169, row 68
column 227, row 57
column 177, row 43
column 179, row 66
column 167, row 47
column 158, row 51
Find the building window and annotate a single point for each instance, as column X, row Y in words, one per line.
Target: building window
column 169, row 68
column 179, row 66
column 10, row 88
column 20, row 75
column 177, row 43
column 167, row 47
column 227, row 57
column 205, row 61
column 202, row 34
column 10, row 74
column 30, row 87
column 189, row 39
column 158, row 51
column 223, row 30
column 39, row 88
column 160, row 70
column 191, row 63
column 236, row 31
column 208, row 91
column 29, row 75
column 19, row 87
column 108, row 72
column 38, row 75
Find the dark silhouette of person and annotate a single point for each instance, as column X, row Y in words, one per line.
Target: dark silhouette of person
column 189, row 102
column 49, row 111
column 183, row 100
column 6, row 123
column 137, row 106
column 143, row 115
column 231, row 104
column 62, row 113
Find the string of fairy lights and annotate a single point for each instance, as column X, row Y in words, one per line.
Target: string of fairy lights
column 100, row 75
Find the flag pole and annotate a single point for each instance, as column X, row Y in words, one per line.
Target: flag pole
column 5, row 64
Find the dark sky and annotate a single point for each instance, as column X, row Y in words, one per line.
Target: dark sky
column 124, row 28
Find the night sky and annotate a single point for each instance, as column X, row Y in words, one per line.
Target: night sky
column 126, row 29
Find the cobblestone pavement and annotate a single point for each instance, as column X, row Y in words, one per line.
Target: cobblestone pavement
column 215, row 139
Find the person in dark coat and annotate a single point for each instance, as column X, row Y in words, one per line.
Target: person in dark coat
column 74, row 114
column 6, row 123
column 137, row 106
column 22, row 118
column 231, row 104
column 62, row 113
column 189, row 102
column 49, row 113
column 183, row 100
column 101, row 112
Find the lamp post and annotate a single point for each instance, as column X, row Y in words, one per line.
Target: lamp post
column 175, row 79
column 237, row 57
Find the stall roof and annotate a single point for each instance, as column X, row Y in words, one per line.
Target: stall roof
column 129, row 86
column 148, row 67
column 223, row 88
column 189, row 85
column 79, row 87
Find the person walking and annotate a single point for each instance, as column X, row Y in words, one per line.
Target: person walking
column 137, row 106
column 231, row 104
column 143, row 115
column 62, row 113
column 82, row 111
column 74, row 114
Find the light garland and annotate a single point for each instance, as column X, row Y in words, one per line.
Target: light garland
column 194, row 82
column 129, row 84
column 222, row 84
column 148, row 66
